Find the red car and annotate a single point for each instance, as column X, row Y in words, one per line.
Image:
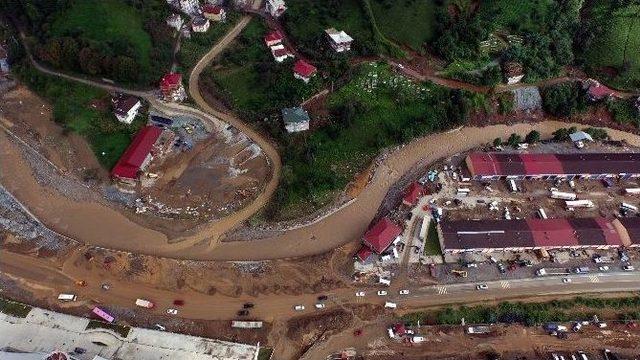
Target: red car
column 178, row 302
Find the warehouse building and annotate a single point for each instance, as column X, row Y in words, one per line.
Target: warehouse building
column 460, row 236
column 495, row 166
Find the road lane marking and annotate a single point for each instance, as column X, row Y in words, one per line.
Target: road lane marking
column 505, row 284
column 594, row 278
column 442, row 290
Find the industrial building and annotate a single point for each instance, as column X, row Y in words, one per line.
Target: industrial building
column 495, row 166
column 460, row 236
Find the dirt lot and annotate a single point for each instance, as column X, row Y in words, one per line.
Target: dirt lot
column 220, row 174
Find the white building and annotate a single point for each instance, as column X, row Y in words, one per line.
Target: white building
column 295, row 119
column 42, row 331
column 280, row 53
column 191, row 7
column 275, row 7
column 125, row 107
column 340, row 41
column 200, row 24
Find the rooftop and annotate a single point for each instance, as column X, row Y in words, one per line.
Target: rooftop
column 132, row 159
column 303, row 68
column 381, row 235
column 338, row 36
column 529, row 233
column 504, row 164
column 295, row 115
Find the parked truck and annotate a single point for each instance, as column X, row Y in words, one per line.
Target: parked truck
column 144, row 303
column 563, row 195
column 552, row 271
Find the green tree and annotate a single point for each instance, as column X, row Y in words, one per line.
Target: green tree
column 532, row 137
column 514, row 140
column 497, row 142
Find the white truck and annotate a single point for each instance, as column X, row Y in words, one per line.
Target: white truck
column 572, row 204
column 563, row 195
column 67, row 297
column 144, row 303
column 552, row 271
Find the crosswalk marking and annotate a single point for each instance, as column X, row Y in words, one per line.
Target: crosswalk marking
column 594, row 278
column 505, row 284
column 442, row 290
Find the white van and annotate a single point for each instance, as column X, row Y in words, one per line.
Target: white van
column 384, row 281
column 67, row 297
column 390, row 305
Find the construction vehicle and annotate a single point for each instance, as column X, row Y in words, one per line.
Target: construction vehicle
column 461, row 273
column 81, row 283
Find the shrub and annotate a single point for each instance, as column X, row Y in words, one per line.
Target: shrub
column 532, row 137
column 564, row 100
column 514, row 140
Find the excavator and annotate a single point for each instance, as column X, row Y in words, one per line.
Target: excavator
column 461, row 273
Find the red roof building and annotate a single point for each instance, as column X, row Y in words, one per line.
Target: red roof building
column 137, row 155
column 597, row 91
column 171, row 87
column 487, row 166
column 273, row 38
column 363, row 254
column 412, row 194
column 499, row 235
column 303, row 70
column 214, row 12
column 381, row 235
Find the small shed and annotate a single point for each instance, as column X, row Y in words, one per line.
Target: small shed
column 295, row 119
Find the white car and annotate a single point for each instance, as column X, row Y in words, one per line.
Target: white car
column 382, row 293
column 628, row 268
column 319, row 306
column 403, row 292
column 360, row 293
column 481, row 287
column 298, row 307
column 172, row 311
column 566, row 280
column 604, row 268
column 160, row 327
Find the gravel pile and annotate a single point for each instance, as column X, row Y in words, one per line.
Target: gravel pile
column 14, row 219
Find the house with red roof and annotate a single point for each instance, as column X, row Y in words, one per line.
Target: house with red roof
column 280, row 53
column 273, row 38
column 381, row 235
column 304, row 71
column 171, row 87
column 412, row 194
column 137, row 156
column 597, row 91
column 214, row 12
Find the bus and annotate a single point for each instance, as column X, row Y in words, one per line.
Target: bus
column 103, row 314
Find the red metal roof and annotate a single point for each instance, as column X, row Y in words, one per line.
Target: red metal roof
column 212, row 9
column 552, row 232
column 170, row 81
column 364, row 253
column 598, row 91
column 281, row 52
column 413, row 192
column 303, row 68
column 381, row 235
column 129, row 163
column 504, row 164
column 541, row 164
column 272, row 37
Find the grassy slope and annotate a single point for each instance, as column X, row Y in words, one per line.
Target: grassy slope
column 71, row 108
column 608, row 49
column 406, row 21
column 106, row 20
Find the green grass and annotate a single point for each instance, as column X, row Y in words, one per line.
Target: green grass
column 72, row 109
column 518, row 16
column 408, row 22
column 265, row 353
column 579, row 308
column 432, row 243
column 616, row 45
column 193, row 49
column 14, row 308
column 106, row 20
column 122, row 330
column 376, row 109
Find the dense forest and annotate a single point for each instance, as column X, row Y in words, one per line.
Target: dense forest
column 126, row 41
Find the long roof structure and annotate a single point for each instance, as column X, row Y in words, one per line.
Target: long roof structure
column 502, row 164
column 531, row 233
